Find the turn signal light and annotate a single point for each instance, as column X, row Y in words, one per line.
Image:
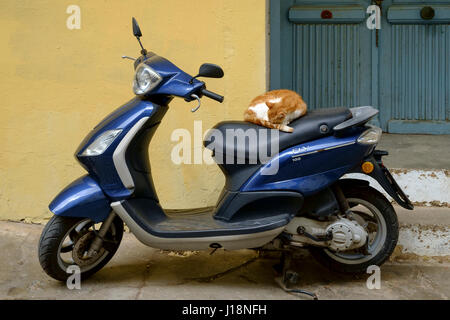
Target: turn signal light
column 367, row 167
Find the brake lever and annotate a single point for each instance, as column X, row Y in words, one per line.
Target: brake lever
column 127, row 57
column 198, row 100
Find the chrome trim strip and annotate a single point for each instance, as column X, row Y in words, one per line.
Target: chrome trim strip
column 324, row 149
column 234, row 242
column 306, row 153
column 341, row 145
column 119, row 155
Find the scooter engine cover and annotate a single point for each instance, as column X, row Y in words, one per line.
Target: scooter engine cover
column 347, row 235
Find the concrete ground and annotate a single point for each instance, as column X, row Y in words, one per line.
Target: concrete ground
column 414, row 151
column 139, row 272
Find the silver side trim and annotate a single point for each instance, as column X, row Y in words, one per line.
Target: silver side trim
column 235, row 242
column 320, row 150
column 341, row 145
column 119, row 155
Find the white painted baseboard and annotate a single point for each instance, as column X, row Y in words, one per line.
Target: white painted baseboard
column 423, row 187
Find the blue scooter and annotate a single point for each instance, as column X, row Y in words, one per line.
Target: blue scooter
column 293, row 199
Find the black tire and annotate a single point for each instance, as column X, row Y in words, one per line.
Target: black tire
column 380, row 202
column 55, row 232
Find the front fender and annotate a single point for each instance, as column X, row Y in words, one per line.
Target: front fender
column 82, row 198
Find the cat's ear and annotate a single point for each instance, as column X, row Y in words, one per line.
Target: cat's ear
column 269, row 104
column 279, row 117
column 282, row 114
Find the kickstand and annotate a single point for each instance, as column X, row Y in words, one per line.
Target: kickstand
column 289, row 277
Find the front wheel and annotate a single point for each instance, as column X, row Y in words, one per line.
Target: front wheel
column 375, row 213
column 65, row 241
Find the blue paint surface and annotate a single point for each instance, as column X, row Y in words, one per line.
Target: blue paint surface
column 410, row 14
column 403, row 69
column 82, row 198
column 175, row 82
column 415, row 77
column 309, row 167
column 339, row 14
column 101, row 167
column 412, row 127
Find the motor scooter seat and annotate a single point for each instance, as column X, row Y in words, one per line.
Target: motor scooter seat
column 314, row 125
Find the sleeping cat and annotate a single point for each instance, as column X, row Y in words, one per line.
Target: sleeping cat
column 276, row 109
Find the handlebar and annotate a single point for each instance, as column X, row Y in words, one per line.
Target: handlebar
column 212, row 95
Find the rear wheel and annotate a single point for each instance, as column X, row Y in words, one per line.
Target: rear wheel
column 65, row 241
column 375, row 213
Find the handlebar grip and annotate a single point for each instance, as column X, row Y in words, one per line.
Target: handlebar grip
column 212, row 95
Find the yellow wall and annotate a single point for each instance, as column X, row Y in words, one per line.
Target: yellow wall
column 56, row 84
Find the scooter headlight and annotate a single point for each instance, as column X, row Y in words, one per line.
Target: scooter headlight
column 101, row 143
column 145, row 79
column 370, row 136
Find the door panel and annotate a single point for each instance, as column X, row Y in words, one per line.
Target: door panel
column 415, row 68
column 329, row 65
column 326, row 59
column 333, row 59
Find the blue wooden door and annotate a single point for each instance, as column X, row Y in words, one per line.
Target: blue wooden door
column 415, row 66
column 324, row 51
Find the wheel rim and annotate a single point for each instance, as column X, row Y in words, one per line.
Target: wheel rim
column 371, row 215
column 69, row 242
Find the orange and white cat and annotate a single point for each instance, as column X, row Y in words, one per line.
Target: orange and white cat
column 276, row 109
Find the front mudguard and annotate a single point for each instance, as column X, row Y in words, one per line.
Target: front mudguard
column 82, row 198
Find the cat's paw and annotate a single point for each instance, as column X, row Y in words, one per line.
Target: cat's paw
column 285, row 128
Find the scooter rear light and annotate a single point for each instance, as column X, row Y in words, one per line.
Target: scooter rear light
column 370, row 136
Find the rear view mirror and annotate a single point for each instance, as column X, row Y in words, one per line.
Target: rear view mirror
column 136, row 30
column 210, row 70
column 138, row 34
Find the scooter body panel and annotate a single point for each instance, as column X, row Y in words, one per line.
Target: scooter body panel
column 176, row 81
column 229, row 242
column 82, row 198
column 309, row 167
column 102, row 168
column 91, row 195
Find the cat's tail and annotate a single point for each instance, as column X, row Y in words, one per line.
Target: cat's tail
column 271, row 125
